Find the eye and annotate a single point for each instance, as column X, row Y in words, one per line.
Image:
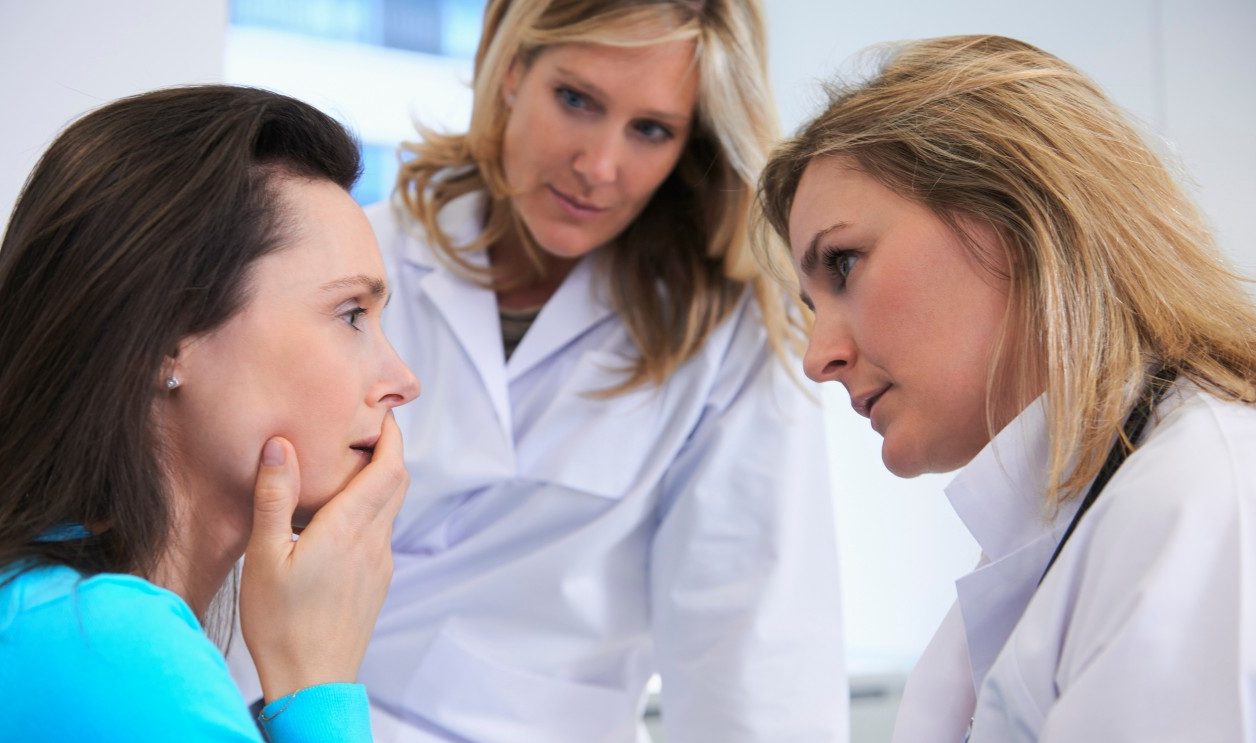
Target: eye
column 839, row 264
column 653, row 131
column 572, row 99
column 352, row 315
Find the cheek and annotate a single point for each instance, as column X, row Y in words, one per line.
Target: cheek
column 643, row 176
column 532, row 143
column 932, row 333
column 215, row 436
column 319, row 411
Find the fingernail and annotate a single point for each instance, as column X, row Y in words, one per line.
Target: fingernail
column 272, row 453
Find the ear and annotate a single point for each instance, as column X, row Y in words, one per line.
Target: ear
column 174, row 366
column 510, row 83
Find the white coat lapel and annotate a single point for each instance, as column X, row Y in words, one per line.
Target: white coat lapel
column 471, row 313
column 470, row 310
column 934, row 708
column 579, row 304
column 999, row 497
column 993, row 597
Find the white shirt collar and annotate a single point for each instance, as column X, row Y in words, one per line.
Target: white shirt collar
column 999, row 495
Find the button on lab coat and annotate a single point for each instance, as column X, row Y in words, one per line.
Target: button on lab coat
column 1145, row 627
column 556, row 549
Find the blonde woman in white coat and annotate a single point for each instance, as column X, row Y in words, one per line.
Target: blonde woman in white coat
column 616, row 473
column 1009, row 283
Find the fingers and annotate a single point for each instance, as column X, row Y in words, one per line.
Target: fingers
column 275, row 496
column 390, row 437
column 384, row 480
column 389, row 444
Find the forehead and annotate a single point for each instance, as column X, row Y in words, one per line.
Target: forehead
column 663, row 75
column 325, row 236
column 833, row 190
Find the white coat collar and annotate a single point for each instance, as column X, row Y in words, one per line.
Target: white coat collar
column 462, row 219
column 580, row 303
column 999, row 497
column 470, row 309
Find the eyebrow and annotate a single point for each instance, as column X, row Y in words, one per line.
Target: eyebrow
column 373, row 285
column 812, row 255
column 670, row 117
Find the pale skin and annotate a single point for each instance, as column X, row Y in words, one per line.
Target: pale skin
column 906, row 315
column 283, row 418
column 592, row 132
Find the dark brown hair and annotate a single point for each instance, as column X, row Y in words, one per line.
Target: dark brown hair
column 136, row 229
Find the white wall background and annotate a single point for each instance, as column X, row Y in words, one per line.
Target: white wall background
column 60, row 58
column 1186, row 69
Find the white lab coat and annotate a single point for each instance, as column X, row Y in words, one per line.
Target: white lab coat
column 1145, row 628
column 555, row 550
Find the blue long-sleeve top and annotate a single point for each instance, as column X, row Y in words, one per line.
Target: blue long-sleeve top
column 114, row 657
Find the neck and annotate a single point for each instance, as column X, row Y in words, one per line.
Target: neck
column 209, row 536
column 526, row 287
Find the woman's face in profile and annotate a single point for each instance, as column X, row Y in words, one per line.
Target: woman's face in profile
column 592, row 132
column 906, row 317
column 305, row 358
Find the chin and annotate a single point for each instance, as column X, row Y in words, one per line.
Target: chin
column 903, row 470
column 563, row 244
column 315, row 495
column 908, row 463
column 904, row 464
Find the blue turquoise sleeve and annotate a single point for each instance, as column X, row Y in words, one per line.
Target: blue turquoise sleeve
column 328, row 713
column 113, row 657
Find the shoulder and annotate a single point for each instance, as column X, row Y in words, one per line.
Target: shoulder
column 128, row 653
column 1152, row 587
column 400, row 235
column 383, row 216
column 1177, row 516
column 391, row 227
column 1198, row 459
column 104, row 604
column 743, row 361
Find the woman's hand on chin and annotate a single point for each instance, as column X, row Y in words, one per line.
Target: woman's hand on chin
column 307, row 607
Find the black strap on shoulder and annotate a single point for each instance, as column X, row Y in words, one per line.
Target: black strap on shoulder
column 1153, row 392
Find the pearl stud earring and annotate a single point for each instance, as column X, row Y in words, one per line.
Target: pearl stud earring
column 172, row 382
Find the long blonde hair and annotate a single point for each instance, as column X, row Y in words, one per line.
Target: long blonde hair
column 1112, row 269
column 679, row 268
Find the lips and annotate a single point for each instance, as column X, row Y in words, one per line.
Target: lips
column 862, row 403
column 575, row 204
column 365, row 446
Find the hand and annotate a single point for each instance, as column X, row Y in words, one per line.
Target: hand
column 308, row 607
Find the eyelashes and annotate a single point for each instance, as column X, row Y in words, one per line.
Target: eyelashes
column 839, row 263
column 352, row 316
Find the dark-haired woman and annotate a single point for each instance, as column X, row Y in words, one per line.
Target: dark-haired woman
column 191, row 307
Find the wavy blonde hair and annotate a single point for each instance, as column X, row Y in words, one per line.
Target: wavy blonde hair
column 679, row 268
column 1112, row 269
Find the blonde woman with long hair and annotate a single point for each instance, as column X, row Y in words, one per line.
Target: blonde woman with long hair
column 615, row 475
column 1008, row 280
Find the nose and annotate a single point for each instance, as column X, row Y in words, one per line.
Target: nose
column 830, row 350
column 597, row 160
column 396, row 385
